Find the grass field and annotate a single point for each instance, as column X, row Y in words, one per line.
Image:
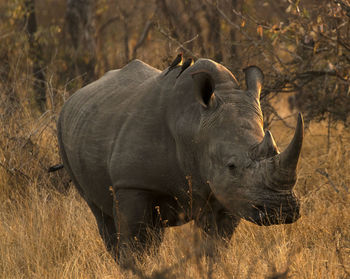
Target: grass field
column 47, row 230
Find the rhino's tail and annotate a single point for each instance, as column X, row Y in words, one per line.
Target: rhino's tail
column 55, row 168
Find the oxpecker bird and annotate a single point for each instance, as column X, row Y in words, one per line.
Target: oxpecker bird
column 189, row 62
column 177, row 62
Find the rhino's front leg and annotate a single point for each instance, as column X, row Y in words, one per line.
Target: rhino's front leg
column 218, row 225
column 134, row 220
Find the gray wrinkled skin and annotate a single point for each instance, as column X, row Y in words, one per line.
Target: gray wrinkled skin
column 175, row 150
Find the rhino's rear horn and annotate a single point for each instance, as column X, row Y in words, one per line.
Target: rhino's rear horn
column 267, row 148
column 204, row 87
column 254, row 78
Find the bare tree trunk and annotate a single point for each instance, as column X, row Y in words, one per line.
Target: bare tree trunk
column 192, row 11
column 80, row 25
column 143, row 35
column 233, row 57
column 162, row 8
column 214, row 37
column 36, row 55
column 126, row 42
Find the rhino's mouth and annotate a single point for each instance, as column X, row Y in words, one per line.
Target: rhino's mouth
column 266, row 216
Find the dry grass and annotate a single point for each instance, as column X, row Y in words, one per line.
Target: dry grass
column 50, row 233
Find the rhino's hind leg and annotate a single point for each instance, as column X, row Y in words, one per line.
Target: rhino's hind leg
column 106, row 228
column 135, row 224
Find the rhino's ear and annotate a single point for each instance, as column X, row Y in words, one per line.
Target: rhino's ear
column 254, row 78
column 204, row 87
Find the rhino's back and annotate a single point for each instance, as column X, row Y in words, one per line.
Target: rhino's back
column 119, row 83
column 90, row 121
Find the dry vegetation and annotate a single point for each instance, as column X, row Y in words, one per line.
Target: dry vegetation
column 47, row 230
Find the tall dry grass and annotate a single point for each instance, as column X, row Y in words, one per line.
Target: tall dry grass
column 47, row 230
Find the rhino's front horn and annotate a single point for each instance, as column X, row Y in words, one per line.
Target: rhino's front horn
column 290, row 156
column 254, row 78
column 282, row 167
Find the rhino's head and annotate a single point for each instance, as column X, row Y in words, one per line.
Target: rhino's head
column 240, row 162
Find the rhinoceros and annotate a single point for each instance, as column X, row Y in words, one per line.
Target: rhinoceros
column 148, row 151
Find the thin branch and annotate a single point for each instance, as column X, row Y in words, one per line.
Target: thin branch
column 251, row 19
column 14, row 171
column 306, row 77
column 181, row 45
column 143, row 36
column 338, row 40
column 280, row 118
column 191, row 40
column 108, row 22
column 308, row 74
column 326, row 175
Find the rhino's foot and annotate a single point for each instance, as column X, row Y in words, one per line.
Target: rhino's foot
column 217, row 223
column 218, row 227
column 136, row 224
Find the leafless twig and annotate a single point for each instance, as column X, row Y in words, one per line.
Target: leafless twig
column 344, row 6
column 280, row 118
column 326, row 175
column 143, row 36
column 170, row 38
column 107, row 23
column 14, row 171
column 190, row 40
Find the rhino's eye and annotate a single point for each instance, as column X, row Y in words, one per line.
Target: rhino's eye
column 232, row 167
